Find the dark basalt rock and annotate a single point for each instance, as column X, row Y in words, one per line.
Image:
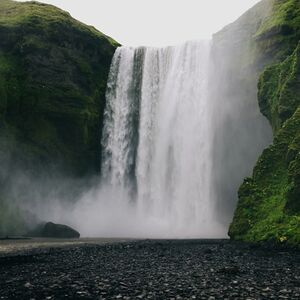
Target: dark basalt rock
column 51, row 230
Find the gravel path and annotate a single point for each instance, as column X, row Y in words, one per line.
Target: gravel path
column 194, row 269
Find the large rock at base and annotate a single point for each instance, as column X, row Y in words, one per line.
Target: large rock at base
column 51, row 230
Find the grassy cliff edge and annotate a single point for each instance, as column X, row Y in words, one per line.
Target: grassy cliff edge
column 269, row 201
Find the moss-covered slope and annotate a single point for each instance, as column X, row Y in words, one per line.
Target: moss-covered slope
column 269, row 201
column 53, row 72
column 279, row 34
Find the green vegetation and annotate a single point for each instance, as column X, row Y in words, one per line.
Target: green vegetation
column 278, row 90
column 269, row 202
column 279, row 34
column 44, row 17
column 285, row 18
column 53, row 72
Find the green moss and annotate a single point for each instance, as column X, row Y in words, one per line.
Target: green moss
column 53, row 73
column 269, row 202
column 278, row 90
column 285, row 16
column 43, row 17
column 279, row 34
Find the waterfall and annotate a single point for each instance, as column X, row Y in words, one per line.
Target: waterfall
column 158, row 138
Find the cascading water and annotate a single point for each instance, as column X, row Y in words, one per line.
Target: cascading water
column 158, row 135
column 182, row 129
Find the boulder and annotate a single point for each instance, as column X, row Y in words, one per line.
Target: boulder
column 51, row 230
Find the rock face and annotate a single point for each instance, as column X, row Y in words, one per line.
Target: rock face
column 269, row 201
column 51, row 230
column 242, row 131
column 53, row 73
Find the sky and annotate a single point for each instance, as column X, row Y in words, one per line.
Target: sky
column 155, row 22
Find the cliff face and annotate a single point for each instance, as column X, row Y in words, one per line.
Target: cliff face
column 269, row 201
column 242, row 131
column 53, row 73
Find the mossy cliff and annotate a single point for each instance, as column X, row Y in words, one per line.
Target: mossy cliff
column 53, row 73
column 269, row 201
column 242, row 132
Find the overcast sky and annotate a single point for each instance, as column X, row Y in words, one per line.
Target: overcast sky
column 156, row 22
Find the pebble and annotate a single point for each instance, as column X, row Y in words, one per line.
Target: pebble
column 192, row 269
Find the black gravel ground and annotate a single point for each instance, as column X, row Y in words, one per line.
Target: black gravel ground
column 194, row 269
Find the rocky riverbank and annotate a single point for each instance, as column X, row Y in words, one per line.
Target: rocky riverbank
column 193, row 269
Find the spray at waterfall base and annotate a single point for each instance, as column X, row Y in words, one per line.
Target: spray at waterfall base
column 163, row 169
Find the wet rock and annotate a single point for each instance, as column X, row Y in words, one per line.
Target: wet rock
column 51, row 230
